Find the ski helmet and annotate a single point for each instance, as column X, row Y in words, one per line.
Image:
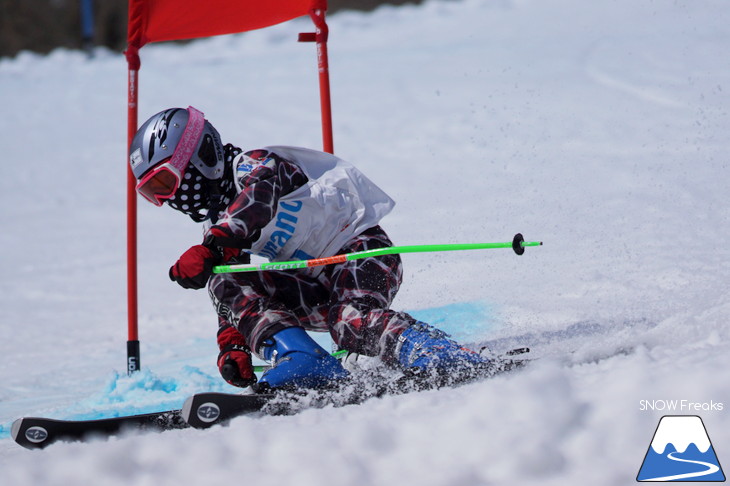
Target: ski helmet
column 178, row 159
column 181, row 140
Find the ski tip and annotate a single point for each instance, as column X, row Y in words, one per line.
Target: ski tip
column 29, row 434
column 518, row 351
column 202, row 410
column 15, row 429
column 187, row 408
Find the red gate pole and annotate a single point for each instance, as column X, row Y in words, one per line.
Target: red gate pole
column 320, row 37
column 133, row 356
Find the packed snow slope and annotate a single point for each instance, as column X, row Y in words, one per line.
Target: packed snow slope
column 600, row 128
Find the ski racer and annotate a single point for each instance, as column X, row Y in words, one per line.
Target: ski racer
column 284, row 203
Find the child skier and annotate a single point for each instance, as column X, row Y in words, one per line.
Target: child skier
column 284, row 203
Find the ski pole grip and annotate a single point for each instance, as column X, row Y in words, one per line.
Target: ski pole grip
column 517, row 244
column 229, row 372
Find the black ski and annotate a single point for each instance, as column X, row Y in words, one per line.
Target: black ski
column 38, row 432
column 204, row 410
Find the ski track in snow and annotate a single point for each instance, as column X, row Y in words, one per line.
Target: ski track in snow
column 600, row 128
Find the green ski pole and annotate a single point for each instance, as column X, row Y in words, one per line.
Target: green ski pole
column 518, row 244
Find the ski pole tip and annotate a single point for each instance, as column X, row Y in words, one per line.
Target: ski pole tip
column 517, row 244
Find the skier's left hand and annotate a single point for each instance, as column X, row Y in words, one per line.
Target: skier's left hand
column 234, row 360
column 194, row 267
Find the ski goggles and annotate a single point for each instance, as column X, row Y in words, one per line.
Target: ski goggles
column 161, row 183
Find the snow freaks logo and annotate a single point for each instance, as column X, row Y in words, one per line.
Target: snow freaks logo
column 680, row 451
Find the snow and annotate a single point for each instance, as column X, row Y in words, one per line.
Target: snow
column 599, row 128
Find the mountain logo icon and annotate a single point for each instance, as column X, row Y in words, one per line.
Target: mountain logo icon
column 680, row 451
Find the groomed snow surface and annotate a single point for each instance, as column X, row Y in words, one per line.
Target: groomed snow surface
column 600, row 128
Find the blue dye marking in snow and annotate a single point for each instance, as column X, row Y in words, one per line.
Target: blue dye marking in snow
column 465, row 321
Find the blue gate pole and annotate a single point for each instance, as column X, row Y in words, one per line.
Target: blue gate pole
column 87, row 25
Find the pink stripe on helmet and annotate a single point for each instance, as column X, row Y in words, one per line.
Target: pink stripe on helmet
column 189, row 140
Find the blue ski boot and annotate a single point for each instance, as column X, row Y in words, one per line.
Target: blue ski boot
column 298, row 361
column 424, row 348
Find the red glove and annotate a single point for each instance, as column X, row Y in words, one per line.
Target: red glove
column 234, row 360
column 194, row 267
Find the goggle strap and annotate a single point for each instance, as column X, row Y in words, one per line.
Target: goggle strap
column 189, row 140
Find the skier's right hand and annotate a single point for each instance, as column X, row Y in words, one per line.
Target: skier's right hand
column 194, row 267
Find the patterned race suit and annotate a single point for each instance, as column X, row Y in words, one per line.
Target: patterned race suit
column 350, row 300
